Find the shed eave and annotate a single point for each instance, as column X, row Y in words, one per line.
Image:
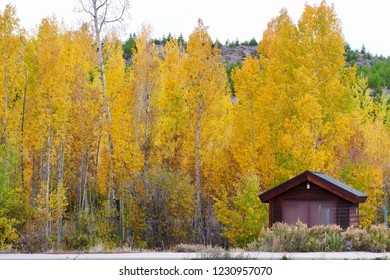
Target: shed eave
column 322, row 181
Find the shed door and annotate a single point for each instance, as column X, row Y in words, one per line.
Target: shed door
column 292, row 211
column 309, row 212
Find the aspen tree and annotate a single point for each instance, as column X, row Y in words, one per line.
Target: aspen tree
column 172, row 125
column 12, row 205
column 208, row 104
column 104, row 12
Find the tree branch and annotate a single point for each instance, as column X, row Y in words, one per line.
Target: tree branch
column 101, row 16
column 103, row 19
column 124, row 6
column 104, row 3
column 85, row 9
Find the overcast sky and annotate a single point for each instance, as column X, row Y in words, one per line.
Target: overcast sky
column 364, row 22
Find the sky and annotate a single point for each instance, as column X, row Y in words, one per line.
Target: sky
column 363, row 22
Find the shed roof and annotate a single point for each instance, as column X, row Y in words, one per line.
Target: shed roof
column 320, row 179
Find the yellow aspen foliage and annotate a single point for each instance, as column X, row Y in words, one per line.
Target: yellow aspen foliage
column 82, row 140
column 136, row 150
column 304, row 75
column 324, row 80
column 149, row 149
column 173, row 117
column 12, row 80
column 172, row 125
column 12, row 43
column 45, row 103
column 251, row 139
column 144, row 83
column 278, row 59
column 241, row 214
column 114, row 67
column 323, row 62
column 14, row 205
column 208, row 101
column 377, row 158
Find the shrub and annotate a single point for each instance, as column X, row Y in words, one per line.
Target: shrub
column 359, row 238
column 299, row 238
column 380, row 238
column 8, row 235
column 31, row 240
column 282, row 237
column 331, row 238
column 324, row 239
column 334, row 242
column 78, row 242
column 188, row 248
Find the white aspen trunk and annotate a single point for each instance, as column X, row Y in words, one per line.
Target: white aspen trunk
column 80, row 184
column 85, row 191
column 59, row 191
column 147, row 136
column 252, row 137
column 121, row 215
column 22, row 127
column 199, row 217
column 5, row 136
column 32, row 179
column 6, row 107
column 48, row 171
column 93, row 204
column 98, row 27
column 41, row 159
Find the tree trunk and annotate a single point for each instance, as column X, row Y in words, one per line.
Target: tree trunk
column 59, row 190
column 199, row 217
column 105, row 101
column 48, row 174
column 252, row 137
column 121, row 215
column 41, row 172
column 147, row 136
column 4, row 141
column 80, row 184
column 6, row 109
column 22, row 127
column 32, row 179
column 84, row 204
column 93, row 204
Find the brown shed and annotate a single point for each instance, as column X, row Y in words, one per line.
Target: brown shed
column 314, row 199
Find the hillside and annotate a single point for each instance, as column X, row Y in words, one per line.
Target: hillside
column 374, row 67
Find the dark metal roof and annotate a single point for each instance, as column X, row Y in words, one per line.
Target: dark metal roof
column 322, row 180
column 339, row 184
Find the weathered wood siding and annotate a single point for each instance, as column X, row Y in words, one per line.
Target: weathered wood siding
column 344, row 213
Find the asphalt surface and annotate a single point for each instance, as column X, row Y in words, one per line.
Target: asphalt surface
column 190, row 256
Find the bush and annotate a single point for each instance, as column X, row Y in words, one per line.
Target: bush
column 380, row 238
column 8, row 235
column 284, row 238
column 31, row 239
column 325, row 239
column 375, row 239
column 188, row 248
column 299, row 238
column 359, row 238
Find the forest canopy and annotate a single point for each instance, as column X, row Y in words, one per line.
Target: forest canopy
column 161, row 154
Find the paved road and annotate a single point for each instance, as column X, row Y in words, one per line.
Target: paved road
column 189, row 256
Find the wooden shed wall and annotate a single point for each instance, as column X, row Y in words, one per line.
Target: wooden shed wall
column 346, row 212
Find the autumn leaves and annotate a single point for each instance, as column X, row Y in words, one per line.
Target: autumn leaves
column 178, row 162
